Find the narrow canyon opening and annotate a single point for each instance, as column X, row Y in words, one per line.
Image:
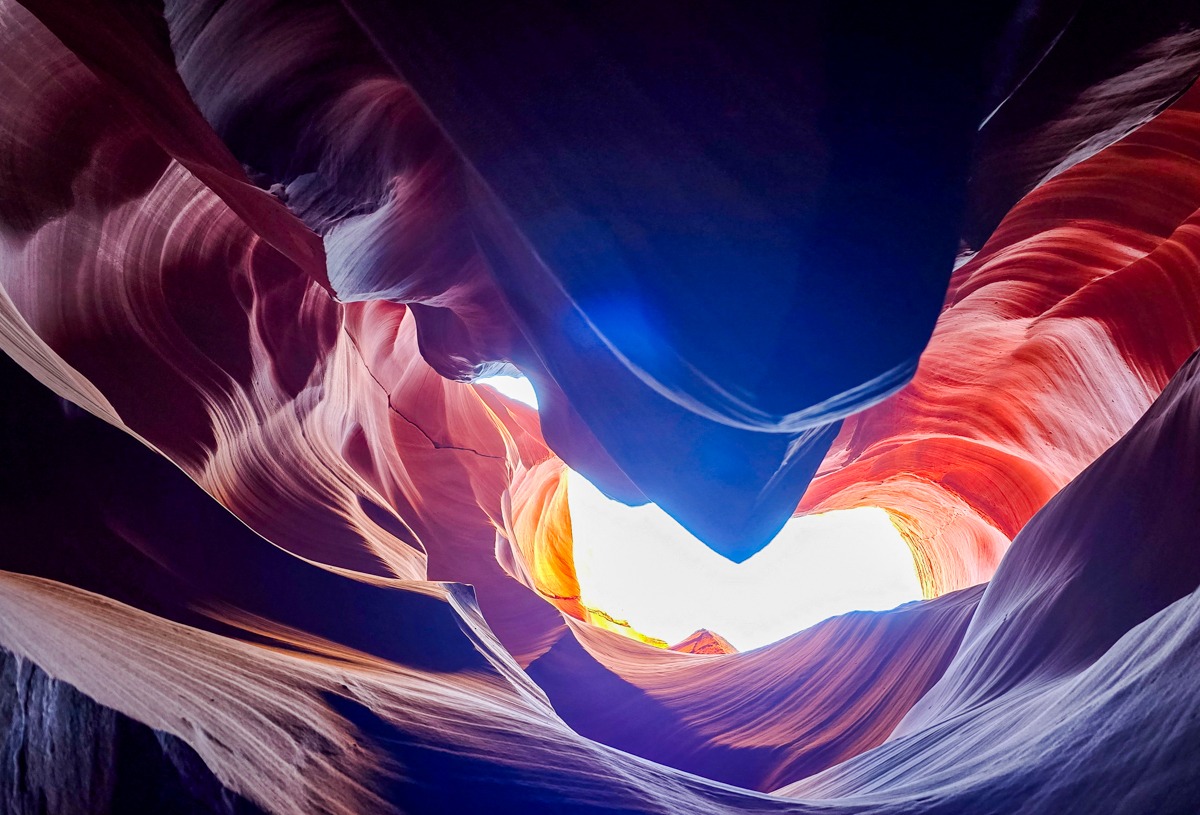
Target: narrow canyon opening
column 638, row 567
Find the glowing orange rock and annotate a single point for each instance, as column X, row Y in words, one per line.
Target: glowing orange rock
column 1055, row 338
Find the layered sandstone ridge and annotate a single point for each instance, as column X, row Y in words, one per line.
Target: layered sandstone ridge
column 1055, row 338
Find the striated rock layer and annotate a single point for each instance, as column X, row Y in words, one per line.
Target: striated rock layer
column 65, row 753
column 1055, row 338
column 263, row 538
column 1074, row 664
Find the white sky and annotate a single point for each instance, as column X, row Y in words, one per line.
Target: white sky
column 638, row 564
column 514, row 387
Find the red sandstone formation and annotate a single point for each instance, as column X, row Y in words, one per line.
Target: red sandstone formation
column 1076, row 659
column 704, row 641
column 1055, row 338
column 344, row 580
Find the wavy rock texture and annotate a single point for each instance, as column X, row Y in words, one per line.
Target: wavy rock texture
column 1073, row 78
column 762, row 717
column 72, row 755
column 1077, row 653
column 580, row 243
column 1055, row 338
column 250, row 272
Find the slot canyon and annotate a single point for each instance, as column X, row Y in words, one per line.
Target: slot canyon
column 271, row 544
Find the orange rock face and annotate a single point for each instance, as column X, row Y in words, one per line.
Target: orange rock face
column 1055, row 338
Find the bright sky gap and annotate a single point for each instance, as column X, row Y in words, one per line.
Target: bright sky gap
column 638, row 564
